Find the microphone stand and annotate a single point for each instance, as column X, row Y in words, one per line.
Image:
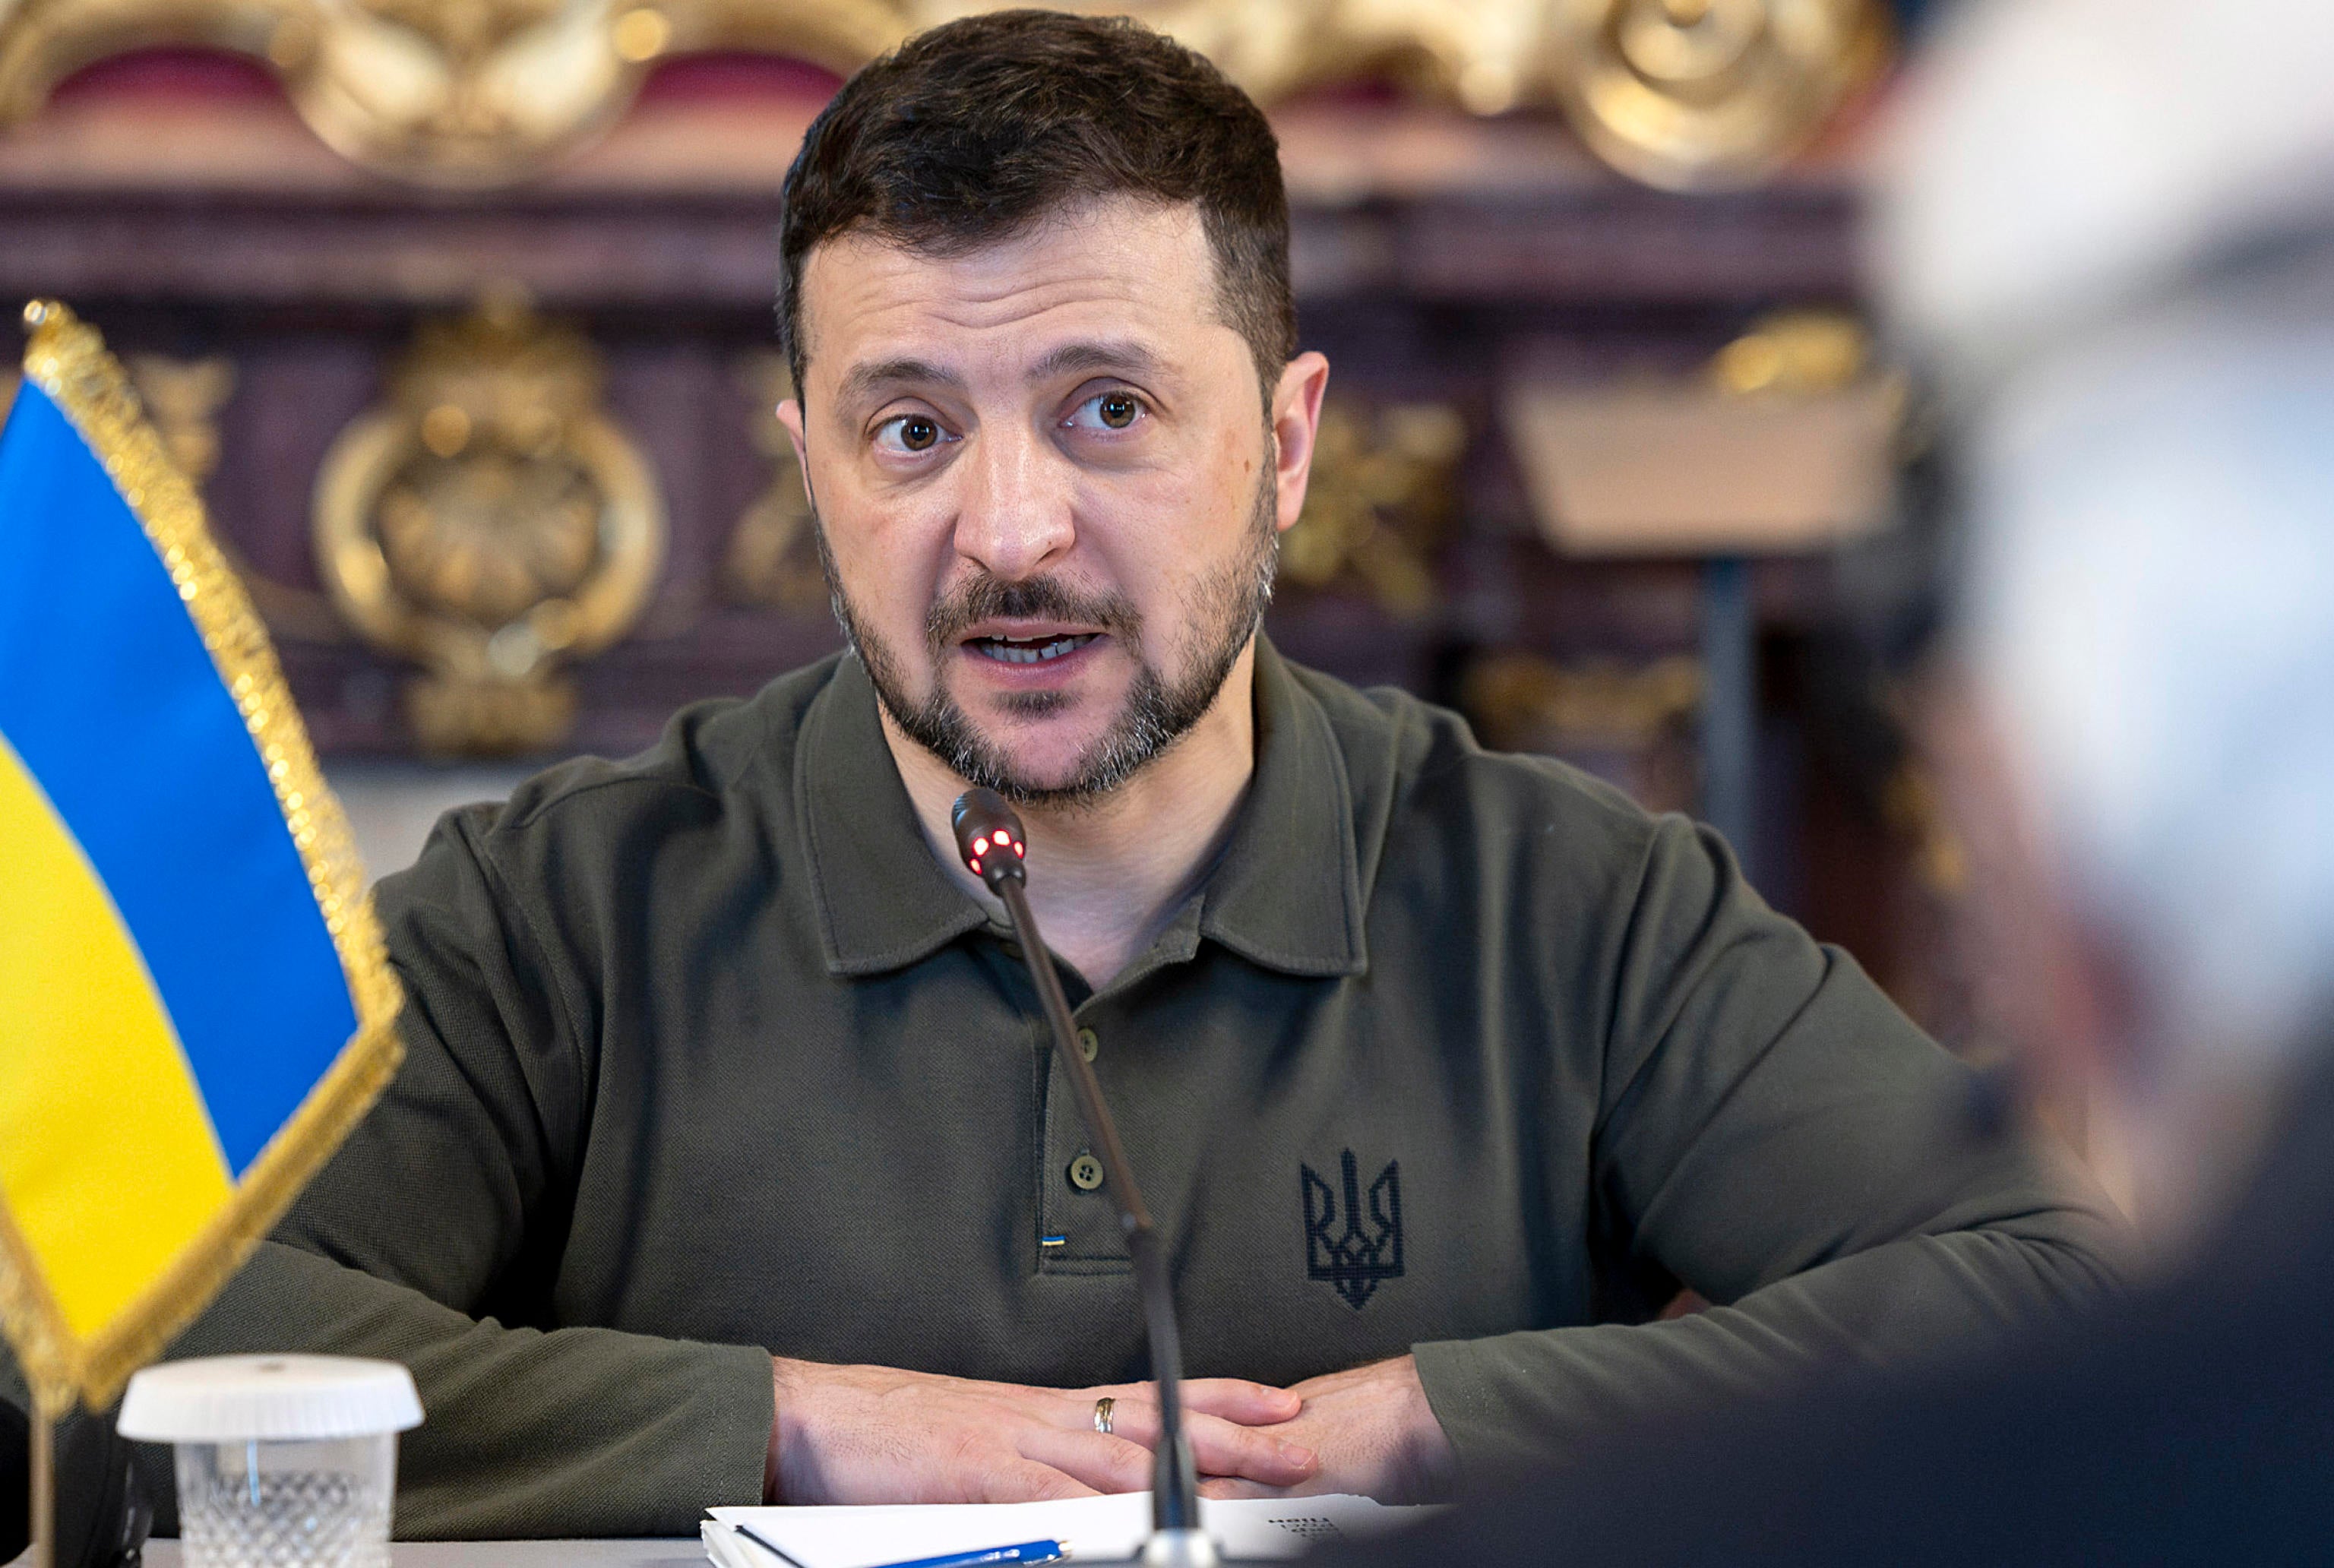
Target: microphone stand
column 989, row 837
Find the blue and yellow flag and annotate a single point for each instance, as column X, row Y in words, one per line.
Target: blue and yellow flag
column 194, row 1004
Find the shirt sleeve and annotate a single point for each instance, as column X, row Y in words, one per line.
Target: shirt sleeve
column 433, row 1234
column 1774, row 1133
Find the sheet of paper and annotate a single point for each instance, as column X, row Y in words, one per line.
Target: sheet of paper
column 1094, row 1528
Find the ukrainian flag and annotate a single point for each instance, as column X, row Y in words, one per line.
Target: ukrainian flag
column 195, row 1005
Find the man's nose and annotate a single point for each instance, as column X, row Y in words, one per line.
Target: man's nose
column 1013, row 514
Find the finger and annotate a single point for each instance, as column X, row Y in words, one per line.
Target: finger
column 1026, row 1481
column 1237, row 1399
column 1218, row 1447
column 1236, row 1487
column 1240, row 1487
column 1106, row 1464
column 1221, row 1447
column 1134, row 1415
column 1228, row 1399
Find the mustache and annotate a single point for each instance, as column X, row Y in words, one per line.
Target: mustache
column 984, row 595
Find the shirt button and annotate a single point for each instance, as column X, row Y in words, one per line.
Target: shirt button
column 1012, row 950
column 1086, row 1173
column 1089, row 1045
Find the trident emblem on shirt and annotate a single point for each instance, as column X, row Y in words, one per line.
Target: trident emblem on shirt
column 1357, row 1257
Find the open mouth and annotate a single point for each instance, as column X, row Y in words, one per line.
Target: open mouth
column 1029, row 649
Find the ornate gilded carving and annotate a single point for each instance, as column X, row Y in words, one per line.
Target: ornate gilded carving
column 1692, row 92
column 1631, row 726
column 489, row 91
column 772, row 556
column 490, row 522
column 440, row 92
column 1794, row 351
column 182, row 399
column 1525, row 703
column 1380, row 498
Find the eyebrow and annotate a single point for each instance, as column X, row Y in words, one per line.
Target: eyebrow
column 1107, row 355
column 878, row 375
column 863, row 382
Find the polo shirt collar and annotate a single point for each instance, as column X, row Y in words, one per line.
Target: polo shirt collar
column 1288, row 891
column 1286, row 894
column 882, row 899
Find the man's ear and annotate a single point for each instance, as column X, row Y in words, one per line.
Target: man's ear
column 790, row 415
column 1295, row 415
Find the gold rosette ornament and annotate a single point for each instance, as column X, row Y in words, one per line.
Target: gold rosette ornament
column 490, row 523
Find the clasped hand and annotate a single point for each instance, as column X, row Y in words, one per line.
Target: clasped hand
column 863, row 1434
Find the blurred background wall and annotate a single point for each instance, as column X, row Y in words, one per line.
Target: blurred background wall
column 461, row 311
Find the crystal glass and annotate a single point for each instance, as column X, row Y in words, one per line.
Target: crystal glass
column 286, row 1504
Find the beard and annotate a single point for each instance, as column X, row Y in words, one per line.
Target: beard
column 1223, row 611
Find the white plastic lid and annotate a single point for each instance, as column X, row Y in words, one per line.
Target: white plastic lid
column 268, row 1398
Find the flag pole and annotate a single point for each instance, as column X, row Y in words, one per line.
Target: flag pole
column 45, row 1487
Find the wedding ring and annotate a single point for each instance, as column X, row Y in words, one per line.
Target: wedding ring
column 1102, row 1407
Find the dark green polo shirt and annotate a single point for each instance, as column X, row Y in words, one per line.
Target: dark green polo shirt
column 1453, row 1052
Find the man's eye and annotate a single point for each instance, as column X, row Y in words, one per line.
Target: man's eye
column 1111, row 411
column 909, row 433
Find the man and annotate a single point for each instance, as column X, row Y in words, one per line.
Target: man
column 2130, row 283
column 729, row 1159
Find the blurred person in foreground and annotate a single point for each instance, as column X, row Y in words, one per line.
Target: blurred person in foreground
column 2113, row 226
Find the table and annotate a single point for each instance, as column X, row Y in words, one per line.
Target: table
column 677, row 1554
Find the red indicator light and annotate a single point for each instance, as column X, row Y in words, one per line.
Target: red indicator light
column 980, row 846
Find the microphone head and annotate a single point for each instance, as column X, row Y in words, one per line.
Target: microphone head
column 989, row 836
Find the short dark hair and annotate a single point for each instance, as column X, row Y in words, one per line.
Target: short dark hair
column 974, row 130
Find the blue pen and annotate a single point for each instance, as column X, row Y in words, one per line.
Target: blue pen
column 1027, row 1552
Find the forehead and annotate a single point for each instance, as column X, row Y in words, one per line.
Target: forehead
column 1114, row 267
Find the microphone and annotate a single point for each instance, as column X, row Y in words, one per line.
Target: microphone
column 989, row 837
